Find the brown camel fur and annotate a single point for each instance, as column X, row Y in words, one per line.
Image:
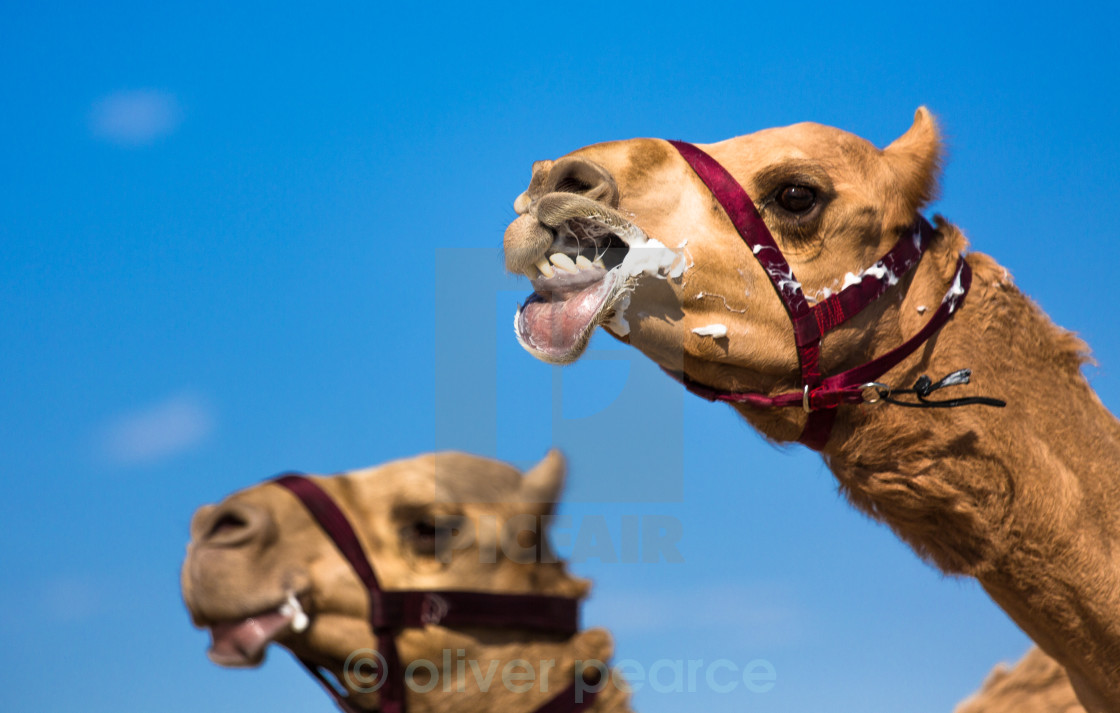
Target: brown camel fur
column 1037, row 683
column 1022, row 498
column 253, row 551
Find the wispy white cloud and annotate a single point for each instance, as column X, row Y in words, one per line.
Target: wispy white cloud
column 158, row 431
column 135, row 117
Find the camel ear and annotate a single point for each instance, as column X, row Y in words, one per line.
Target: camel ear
column 915, row 159
column 542, row 485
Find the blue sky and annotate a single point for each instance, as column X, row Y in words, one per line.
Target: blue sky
column 240, row 240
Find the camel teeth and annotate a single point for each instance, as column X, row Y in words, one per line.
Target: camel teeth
column 583, row 263
column 563, row 262
column 599, row 263
column 545, row 268
column 531, row 272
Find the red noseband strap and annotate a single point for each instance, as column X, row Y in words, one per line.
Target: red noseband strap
column 393, row 610
column 820, row 396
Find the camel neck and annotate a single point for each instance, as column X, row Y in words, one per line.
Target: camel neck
column 1011, row 496
column 1053, row 438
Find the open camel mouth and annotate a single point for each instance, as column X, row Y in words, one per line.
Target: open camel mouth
column 583, row 280
column 242, row 642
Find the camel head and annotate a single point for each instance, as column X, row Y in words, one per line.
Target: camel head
column 625, row 236
column 259, row 569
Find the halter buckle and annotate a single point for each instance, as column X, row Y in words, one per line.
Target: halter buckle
column 805, row 400
column 878, row 392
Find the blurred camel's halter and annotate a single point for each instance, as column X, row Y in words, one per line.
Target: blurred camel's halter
column 820, row 396
column 393, row 610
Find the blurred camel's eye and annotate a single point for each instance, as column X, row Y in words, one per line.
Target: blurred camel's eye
column 424, row 532
column 427, row 536
column 797, row 199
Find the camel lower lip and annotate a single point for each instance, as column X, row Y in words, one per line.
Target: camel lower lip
column 556, row 327
column 242, row 643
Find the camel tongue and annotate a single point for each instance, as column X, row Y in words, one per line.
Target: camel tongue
column 242, row 643
column 556, row 327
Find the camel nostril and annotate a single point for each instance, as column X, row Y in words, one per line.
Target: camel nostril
column 585, row 178
column 573, row 184
column 225, row 524
column 234, row 524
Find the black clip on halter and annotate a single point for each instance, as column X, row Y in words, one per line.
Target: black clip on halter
column 925, row 386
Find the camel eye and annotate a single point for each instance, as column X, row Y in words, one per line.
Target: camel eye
column 424, row 531
column 428, row 536
column 797, row 199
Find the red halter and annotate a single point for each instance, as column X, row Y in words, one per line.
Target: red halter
column 393, row 610
column 821, row 396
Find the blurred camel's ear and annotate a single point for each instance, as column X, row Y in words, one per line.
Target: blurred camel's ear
column 915, row 159
column 541, row 486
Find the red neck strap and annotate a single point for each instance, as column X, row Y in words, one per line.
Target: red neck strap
column 393, row 610
column 820, row 395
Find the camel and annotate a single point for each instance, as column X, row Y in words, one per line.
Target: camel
column 629, row 236
column 260, row 570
